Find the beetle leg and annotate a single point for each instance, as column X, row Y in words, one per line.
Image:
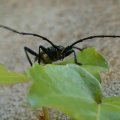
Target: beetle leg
column 75, row 58
column 31, row 52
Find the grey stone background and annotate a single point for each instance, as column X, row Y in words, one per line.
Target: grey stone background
column 63, row 22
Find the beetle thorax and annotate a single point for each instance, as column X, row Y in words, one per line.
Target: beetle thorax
column 51, row 54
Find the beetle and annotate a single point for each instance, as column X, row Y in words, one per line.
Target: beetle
column 54, row 52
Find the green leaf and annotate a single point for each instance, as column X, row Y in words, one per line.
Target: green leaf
column 92, row 61
column 90, row 56
column 72, row 90
column 8, row 77
column 94, row 70
column 69, row 88
column 109, row 109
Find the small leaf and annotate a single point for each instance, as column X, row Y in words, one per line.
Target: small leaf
column 90, row 56
column 69, row 88
column 94, row 70
column 8, row 77
column 92, row 61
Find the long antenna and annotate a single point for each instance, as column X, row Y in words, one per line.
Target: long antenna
column 96, row 36
column 24, row 33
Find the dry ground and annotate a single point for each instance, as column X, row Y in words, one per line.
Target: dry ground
column 62, row 21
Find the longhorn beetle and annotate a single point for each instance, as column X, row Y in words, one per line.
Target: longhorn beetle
column 54, row 52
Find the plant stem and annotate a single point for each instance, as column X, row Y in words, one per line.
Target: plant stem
column 45, row 113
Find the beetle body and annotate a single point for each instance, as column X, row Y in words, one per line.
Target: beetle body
column 51, row 54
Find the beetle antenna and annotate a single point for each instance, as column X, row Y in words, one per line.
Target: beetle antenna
column 97, row 36
column 24, row 33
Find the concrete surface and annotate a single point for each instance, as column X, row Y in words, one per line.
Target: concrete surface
column 63, row 22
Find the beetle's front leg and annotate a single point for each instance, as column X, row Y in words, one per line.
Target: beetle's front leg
column 28, row 50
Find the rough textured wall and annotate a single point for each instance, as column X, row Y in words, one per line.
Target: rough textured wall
column 62, row 22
